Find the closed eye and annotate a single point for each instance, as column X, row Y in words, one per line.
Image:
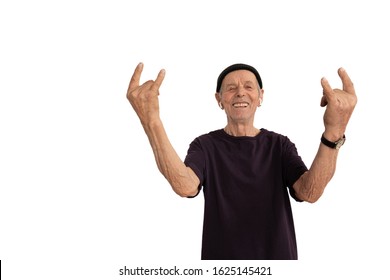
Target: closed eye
column 249, row 86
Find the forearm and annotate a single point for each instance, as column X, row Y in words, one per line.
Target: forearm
column 311, row 184
column 182, row 179
column 339, row 107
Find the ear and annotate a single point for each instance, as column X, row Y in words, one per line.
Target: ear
column 219, row 99
column 261, row 93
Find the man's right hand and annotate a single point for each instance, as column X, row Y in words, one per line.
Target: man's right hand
column 144, row 98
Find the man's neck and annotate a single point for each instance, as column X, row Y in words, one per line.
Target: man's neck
column 241, row 130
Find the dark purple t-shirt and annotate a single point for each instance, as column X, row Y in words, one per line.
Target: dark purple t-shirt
column 246, row 183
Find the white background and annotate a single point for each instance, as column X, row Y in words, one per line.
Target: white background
column 80, row 194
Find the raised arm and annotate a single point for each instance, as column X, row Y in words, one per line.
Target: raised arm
column 339, row 107
column 144, row 100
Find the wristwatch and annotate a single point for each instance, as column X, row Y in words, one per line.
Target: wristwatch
column 334, row 145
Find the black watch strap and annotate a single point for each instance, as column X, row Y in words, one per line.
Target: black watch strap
column 334, row 145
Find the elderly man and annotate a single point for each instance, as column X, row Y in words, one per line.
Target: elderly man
column 247, row 174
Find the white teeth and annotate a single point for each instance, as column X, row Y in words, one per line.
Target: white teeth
column 238, row 105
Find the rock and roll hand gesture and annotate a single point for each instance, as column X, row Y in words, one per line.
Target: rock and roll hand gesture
column 144, row 98
column 339, row 106
column 339, row 103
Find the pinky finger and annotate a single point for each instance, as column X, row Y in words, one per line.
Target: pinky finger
column 159, row 80
column 328, row 91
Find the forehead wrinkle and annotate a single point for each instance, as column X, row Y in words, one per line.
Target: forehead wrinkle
column 235, row 83
column 240, row 75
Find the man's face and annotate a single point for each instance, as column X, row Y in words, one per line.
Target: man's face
column 240, row 96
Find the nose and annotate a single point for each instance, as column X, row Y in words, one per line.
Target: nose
column 240, row 91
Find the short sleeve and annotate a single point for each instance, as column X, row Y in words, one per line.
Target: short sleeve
column 293, row 166
column 195, row 160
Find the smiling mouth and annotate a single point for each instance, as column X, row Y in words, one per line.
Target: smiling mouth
column 240, row 105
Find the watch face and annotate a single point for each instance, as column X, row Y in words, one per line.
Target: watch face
column 340, row 143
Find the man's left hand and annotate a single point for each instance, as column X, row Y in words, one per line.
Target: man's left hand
column 339, row 106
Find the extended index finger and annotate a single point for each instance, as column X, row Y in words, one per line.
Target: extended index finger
column 134, row 81
column 346, row 80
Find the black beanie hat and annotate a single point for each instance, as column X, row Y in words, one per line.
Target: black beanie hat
column 238, row 66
